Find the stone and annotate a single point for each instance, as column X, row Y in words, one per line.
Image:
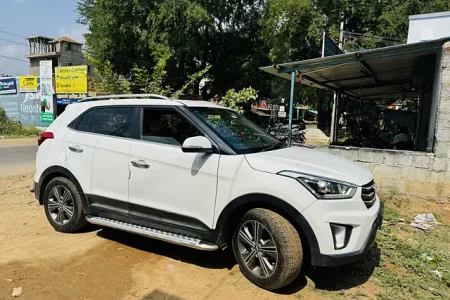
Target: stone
column 443, row 134
column 416, row 175
column 443, row 119
column 386, row 171
column 371, row 156
column 17, row 292
column 421, row 161
column 440, row 164
column 442, row 149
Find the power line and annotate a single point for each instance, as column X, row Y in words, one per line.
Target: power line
column 13, row 58
column 18, row 43
column 26, row 34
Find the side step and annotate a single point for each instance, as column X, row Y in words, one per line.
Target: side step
column 155, row 234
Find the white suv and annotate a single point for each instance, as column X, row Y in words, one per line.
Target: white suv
column 203, row 176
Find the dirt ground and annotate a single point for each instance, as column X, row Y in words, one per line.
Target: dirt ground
column 108, row 264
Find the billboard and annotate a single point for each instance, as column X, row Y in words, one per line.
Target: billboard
column 23, row 107
column 71, row 84
column 46, row 91
column 8, row 86
column 28, row 84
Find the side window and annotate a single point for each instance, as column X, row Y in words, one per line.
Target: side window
column 166, row 126
column 114, row 121
column 85, row 122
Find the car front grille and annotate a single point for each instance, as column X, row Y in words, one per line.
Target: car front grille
column 369, row 194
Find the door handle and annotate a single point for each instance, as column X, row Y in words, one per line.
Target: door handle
column 76, row 149
column 140, row 164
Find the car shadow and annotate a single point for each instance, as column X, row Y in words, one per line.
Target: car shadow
column 160, row 295
column 213, row 260
column 324, row 278
column 337, row 278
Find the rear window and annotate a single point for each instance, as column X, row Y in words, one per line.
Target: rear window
column 85, row 122
column 114, row 121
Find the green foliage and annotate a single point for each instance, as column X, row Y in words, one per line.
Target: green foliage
column 15, row 128
column 192, row 79
column 107, row 82
column 154, row 83
column 235, row 37
column 415, row 260
column 238, row 100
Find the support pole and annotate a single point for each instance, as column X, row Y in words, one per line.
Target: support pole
column 291, row 108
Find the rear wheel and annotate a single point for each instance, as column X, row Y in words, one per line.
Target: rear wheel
column 268, row 249
column 63, row 205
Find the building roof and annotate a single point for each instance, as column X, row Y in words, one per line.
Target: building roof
column 382, row 72
column 39, row 37
column 66, row 39
column 430, row 16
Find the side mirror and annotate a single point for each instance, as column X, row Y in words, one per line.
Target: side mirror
column 197, row 144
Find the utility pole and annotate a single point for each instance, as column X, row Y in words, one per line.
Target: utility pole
column 334, row 116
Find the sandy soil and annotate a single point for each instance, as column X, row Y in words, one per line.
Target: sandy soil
column 108, row 264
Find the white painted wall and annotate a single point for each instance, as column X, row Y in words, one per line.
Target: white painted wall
column 428, row 27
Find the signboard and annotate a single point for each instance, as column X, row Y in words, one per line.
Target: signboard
column 329, row 47
column 281, row 114
column 282, row 108
column 71, row 80
column 8, row 86
column 69, row 98
column 28, row 84
column 46, row 91
column 23, row 107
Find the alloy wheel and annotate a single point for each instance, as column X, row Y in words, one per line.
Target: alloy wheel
column 257, row 249
column 60, row 204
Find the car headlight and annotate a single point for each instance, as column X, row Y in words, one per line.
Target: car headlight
column 323, row 188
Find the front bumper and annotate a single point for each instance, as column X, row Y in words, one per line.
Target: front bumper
column 365, row 226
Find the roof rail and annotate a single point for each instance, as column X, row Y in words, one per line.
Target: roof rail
column 125, row 96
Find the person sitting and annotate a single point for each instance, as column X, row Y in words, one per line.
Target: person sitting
column 402, row 141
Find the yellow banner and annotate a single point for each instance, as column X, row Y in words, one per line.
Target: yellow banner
column 28, row 84
column 71, row 79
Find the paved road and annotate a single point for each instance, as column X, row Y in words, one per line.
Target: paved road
column 17, row 157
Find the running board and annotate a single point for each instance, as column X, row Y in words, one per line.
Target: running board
column 155, row 234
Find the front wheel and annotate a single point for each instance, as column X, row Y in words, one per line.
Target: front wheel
column 268, row 249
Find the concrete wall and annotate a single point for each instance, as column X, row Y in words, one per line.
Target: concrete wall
column 413, row 175
column 428, row 27
column 74, row 56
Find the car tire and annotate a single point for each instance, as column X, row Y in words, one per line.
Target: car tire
column 267, row 269
column 63, row 205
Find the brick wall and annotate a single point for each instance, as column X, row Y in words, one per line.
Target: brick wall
column 407, row 174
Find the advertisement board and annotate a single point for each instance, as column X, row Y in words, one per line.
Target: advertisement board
column 46, row 91
column 28, row 84
column 71, row 84
column 8, row 85
column 23, row 107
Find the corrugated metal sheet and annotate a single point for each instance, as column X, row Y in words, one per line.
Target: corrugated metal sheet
column 383, row 72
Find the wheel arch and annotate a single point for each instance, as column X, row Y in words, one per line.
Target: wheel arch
column 232, row 213
column 53, row 172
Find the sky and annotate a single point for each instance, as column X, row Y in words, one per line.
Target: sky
column 20, row 19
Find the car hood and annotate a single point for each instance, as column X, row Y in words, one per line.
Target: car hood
column 309, row 161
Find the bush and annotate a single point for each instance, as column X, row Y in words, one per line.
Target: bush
column 15, row 128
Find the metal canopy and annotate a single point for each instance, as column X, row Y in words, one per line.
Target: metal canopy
column 377, row 73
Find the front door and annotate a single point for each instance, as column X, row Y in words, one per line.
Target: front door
column 167, row 185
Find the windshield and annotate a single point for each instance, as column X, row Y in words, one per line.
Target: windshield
column 239, row 133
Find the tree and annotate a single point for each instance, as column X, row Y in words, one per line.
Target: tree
column 239, row 101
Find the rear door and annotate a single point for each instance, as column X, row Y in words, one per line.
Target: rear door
column 114, row 129
column 80, row 148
